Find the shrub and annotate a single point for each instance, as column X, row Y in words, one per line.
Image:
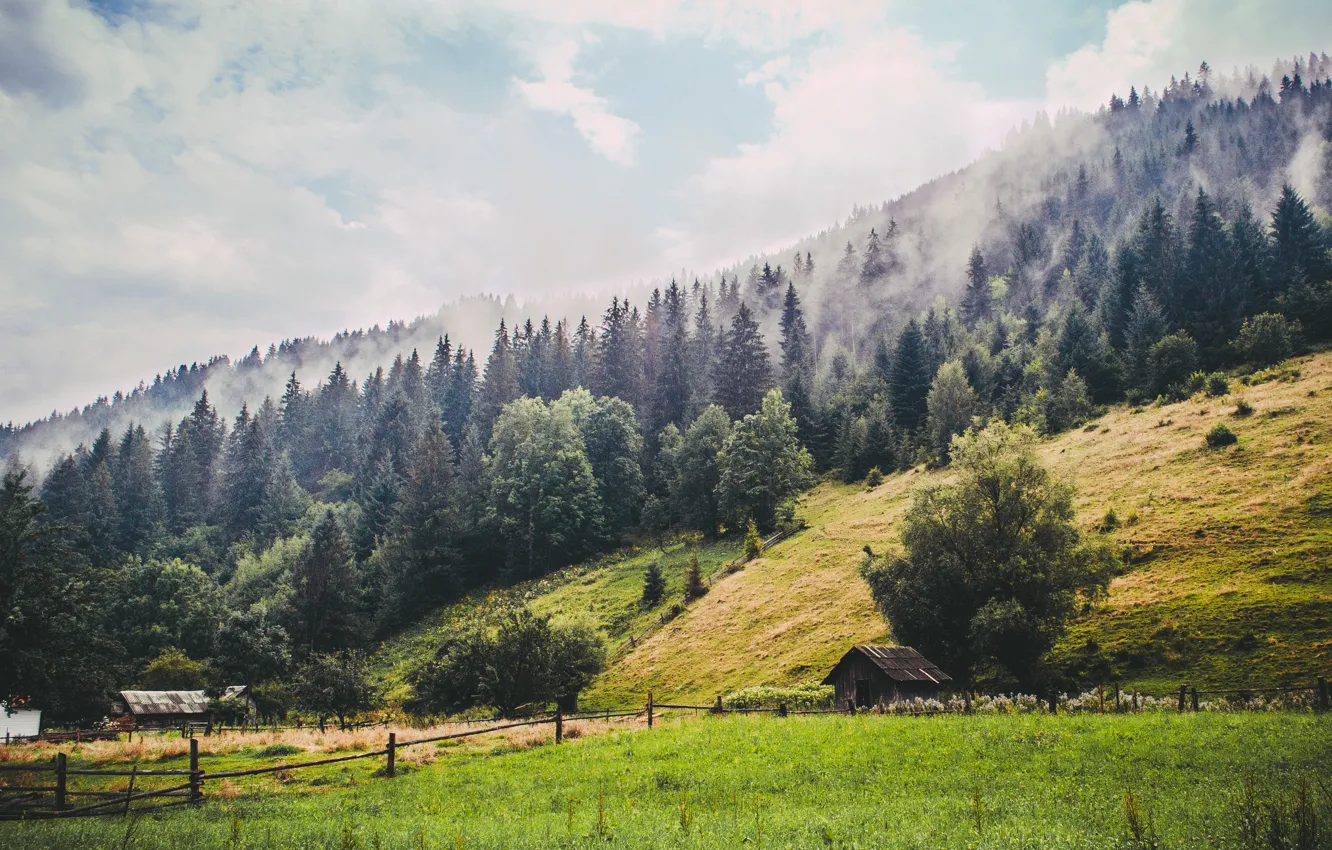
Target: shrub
column 1109, row 522
column 1216, row 385
column 1267, row 339
column 1170, row 363
column 1243, row 408
column 507, row 659
column 799, row 697
column 874, row 478
column 1220, row 436
column 753, row 543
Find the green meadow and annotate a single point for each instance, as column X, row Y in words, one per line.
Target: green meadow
column 1009, row 781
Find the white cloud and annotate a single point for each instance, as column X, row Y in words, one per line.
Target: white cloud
column 1147, row 41
column 862, row 119
column 608, row 134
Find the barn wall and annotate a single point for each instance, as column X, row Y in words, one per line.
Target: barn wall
column 882, row 686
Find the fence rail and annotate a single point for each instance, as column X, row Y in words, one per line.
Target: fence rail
column 33, row 801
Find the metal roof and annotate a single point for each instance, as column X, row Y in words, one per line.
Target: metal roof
column 173, row 702
column 901, row 663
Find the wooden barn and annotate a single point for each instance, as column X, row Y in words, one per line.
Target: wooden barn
column 869, row 675
column 150, row 709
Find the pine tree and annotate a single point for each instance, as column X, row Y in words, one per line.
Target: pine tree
column 337, row 425
column 976, row 298
column 797, row 352
column 461, row 396
column 654, row 585
column 619, row 371
column 439, row 373
column 137, row 493
column 1211, row 291
column 325, row 592
column 245, row 467
column 671, row 393
column 741, row 375
column 1300, row 249
column 874, row 265
column 909, row 381
column 500, row 385
column 1147, row 324
column 584, row 352
column 420, row 556
column 703, row 351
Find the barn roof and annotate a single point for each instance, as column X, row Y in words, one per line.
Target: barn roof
column 901, row 663
column 142, row 703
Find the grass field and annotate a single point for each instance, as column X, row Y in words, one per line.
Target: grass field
column 1029, row 781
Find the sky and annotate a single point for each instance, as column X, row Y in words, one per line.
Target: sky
column 185, row 179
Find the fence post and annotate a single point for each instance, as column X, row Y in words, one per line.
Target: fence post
column 392, row 754
column 1118, row 707
column 1054, row 702
column 781, row 709
column 60, row 781
column 559, row 726
column 718, row 709
column 1135, row 700
column 649, row 709
column 1183, row 695
column 1195, row 698
column 1100, row 699
column 1322, row 694
column 129, row 792
column 196, row 792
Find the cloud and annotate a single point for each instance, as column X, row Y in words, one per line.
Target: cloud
column 1147, row 41
column 608, row 134
column 860, row 119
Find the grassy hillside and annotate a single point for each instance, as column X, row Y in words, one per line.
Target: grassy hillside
column 1228, row 575
column 996, row 781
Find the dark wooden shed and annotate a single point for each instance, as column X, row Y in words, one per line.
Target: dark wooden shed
column 869, row 675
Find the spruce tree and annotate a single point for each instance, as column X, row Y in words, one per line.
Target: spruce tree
column 461, row 396
column 909, row 380
column 741, row 375
column 500, row 385
column 1299, row 246
column 797, row 352
column 976, row 298
column 325, row 590
column 874, row 265
column 654, row 585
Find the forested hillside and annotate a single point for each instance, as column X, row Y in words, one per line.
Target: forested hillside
column 1127, row 255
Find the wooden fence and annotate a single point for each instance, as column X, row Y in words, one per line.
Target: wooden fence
column 57, row 800
column 35, row 801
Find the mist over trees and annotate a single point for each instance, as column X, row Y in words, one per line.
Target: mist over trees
column 326, row 493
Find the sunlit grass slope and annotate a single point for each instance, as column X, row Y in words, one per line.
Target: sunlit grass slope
column 1228, row 580
column 763, row 782
column 605, row 593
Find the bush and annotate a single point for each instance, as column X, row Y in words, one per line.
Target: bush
column 1109, row 522
column 1221, row 436
column 1267, row 339
column 507, row 659
column 874, row 478
column 1170, row 363
column 1243, row 408
column 799, row 697
column 753, row 543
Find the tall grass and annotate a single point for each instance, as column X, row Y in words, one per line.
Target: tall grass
column 1008, row 781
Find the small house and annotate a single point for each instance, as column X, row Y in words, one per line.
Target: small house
column 869, row 675
column 19, row 723
column 170, row 708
